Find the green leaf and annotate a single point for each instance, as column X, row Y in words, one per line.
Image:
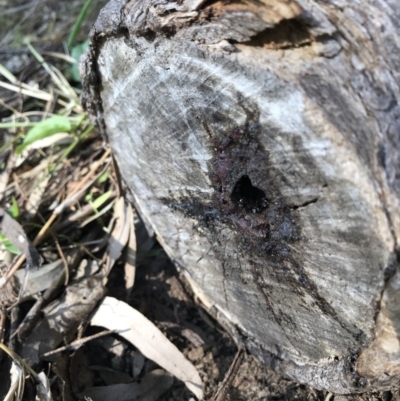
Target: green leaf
column 103, row 177
column 8, row 245
column 14, row 209
column 88, row 197
column 76, row 53
column 7, row 74
column 44, row 129
column 100, row 201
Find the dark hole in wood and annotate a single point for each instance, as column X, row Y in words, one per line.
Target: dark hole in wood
column 285, row 35
column 246, row 195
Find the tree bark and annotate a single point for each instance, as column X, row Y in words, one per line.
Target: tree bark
column 261, row 141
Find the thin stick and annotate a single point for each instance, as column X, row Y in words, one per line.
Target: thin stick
column 59, row 209
column 17, row 265
column 79, row 214
column 77, row 343
column 223, row 387
column 27, row 92
column 29, row 320
column 92, row 171
column 2, row 324
column 16, row 357
column 61, row 56
column 65, row 263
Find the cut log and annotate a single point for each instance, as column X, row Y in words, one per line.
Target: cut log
column 261, row 142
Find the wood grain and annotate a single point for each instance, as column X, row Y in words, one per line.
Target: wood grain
column 261, row 143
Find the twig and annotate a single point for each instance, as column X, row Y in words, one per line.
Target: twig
column 74, row 196
column 18, row 187
column 117, row 175
column 16, row 357
column 92, row 171
column 223, row 387
column 84, row 184
column 29, row 320
column 2, row 324
column 61, row 56
column 79, row 214
column 10, row 273
column 15, row 319
column 77, row 343
column 61, row 253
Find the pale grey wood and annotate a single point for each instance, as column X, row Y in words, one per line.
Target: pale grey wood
column 261, row 142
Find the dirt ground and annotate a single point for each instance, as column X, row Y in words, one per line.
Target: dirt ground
column 169, row 302
column 160, row 292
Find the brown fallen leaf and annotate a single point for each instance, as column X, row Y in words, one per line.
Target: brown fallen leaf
column 119, row 235
column 130, row 264
column 17, row 384
column 41, row 279
column 62, row 317
column 151, row 342
column 61, row 368
column 16, row 234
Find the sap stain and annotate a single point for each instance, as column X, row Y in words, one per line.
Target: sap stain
column 247, row 201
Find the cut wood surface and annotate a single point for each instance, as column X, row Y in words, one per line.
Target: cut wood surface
column 261, row 142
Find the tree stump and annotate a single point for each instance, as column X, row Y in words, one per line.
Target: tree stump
column 261, row 142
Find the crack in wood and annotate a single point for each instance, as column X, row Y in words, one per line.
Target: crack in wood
column 304, row 204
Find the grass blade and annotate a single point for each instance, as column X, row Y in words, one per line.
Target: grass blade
column 77, row 27
column 7, row 74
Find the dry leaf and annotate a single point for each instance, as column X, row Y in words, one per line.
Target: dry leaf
column 119, row 236
column 36, row 196
column 151, row 342
column 137, row 363
column 130, row 264
column 41, row 279
column 61, row 367
column 62, row 317
column 16, row 234
column 151, row 387
column 43, row 392
column 17, row 385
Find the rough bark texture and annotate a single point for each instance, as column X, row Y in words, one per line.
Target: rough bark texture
column 261, row 141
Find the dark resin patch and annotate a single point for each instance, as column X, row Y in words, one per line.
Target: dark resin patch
column 247, row 202
column 245, row 197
